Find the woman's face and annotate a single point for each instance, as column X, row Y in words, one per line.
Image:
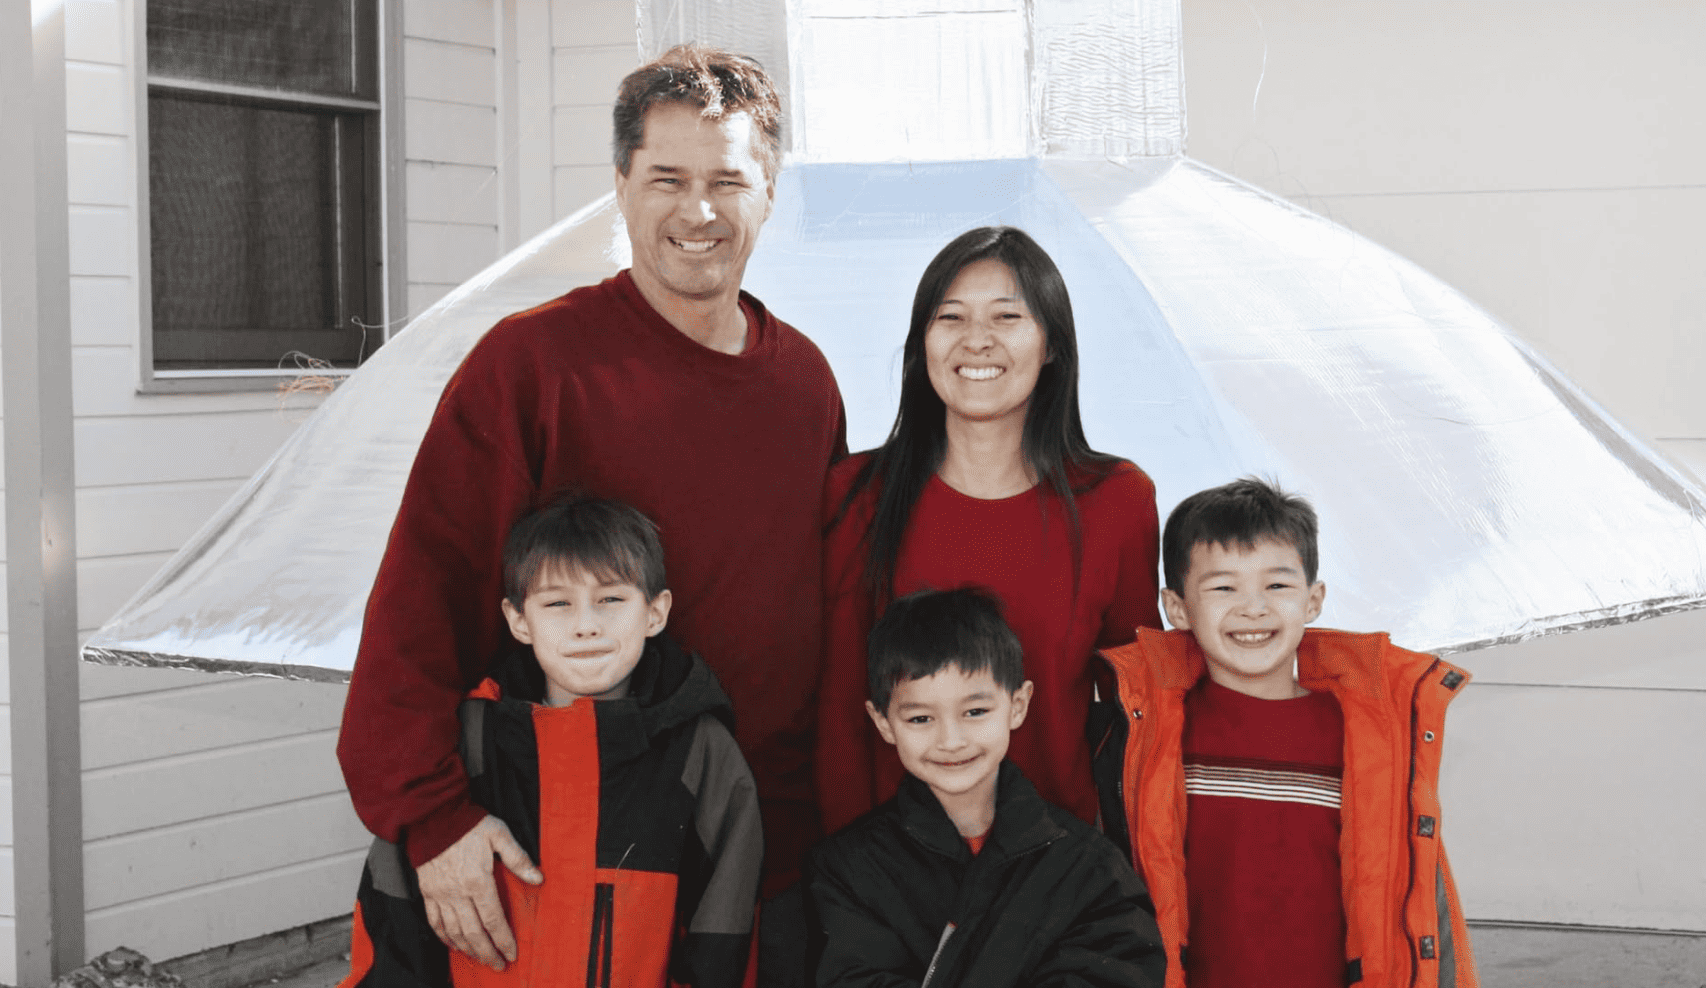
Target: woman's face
column 983, row 349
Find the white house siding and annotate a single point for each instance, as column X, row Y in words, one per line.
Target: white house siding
column 1545, row 159
column 8, row 929
column 450, row 126
column 507, row 124
column 213, row 807
column 592, row 47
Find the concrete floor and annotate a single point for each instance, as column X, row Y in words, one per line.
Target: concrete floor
column 1507, row 957
column 1557, row 957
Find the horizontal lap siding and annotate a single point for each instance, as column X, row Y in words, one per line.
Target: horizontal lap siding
column 229, row 911
column 213, row 807
column 450, row 145
column 593, row 48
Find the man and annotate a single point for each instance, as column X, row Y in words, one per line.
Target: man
column 666, row 387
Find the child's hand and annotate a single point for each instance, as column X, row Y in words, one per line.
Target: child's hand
column 462, row 895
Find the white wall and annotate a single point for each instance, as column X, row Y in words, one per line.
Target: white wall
column 1547, row 159
column 196, row 789
column 1571, row 778
column 213, row 806
column 507, row 123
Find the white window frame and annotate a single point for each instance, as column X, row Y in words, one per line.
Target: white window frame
column 385, row 209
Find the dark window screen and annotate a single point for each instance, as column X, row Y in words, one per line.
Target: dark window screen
column 262, row 177
column 245, row 234
column 314, row 46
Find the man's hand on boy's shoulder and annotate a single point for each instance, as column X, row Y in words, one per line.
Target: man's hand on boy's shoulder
column 461, row 892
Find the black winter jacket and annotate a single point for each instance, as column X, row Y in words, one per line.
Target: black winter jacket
column 898, row 899
column 670, row 872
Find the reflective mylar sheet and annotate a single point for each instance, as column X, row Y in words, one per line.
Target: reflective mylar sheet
column 953, row 80
column 1468, row 494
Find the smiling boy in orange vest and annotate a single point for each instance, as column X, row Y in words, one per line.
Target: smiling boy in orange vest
column 1277, row 784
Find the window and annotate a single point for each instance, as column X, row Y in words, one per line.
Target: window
column 263, row 154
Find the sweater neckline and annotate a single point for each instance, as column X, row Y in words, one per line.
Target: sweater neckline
column 953, row 492
column 760, row 327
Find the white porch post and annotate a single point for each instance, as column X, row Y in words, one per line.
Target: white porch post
column 41, row 558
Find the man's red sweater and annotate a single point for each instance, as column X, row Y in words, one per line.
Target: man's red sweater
column 597, row 392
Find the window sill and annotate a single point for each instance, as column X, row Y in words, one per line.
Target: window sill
column 236, row 381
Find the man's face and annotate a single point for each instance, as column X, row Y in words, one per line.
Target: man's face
column 694, row 198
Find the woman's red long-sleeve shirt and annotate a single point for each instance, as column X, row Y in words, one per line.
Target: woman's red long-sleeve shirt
column 1009, row 546
column 595, row 391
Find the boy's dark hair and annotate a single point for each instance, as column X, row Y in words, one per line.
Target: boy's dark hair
column 925, row 632
column 1240, row 513
column 715, row 82
column 609, row 540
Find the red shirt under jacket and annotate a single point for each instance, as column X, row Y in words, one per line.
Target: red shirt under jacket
column 1008, row 547
column 597, row 392
column 1262, row 839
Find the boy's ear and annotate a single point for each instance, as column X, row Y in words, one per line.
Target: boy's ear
column 1317, row 596
column 1174, row 605
column 1021, row 705
column 517, row 623
column 657, row 612
column 881, row 720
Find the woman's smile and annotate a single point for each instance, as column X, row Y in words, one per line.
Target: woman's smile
column 983, row 348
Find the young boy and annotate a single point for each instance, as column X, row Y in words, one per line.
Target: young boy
column 1282, row 780
column 967, row 877
column 607, row 752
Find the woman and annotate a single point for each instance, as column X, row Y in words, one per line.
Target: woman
column 986, row 479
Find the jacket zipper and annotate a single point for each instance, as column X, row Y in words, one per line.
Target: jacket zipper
column 941, row 945
column 1410, row 823
column 603, row 927
column 948, row 931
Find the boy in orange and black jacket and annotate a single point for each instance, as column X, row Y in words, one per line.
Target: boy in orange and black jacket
column 607, row 752
column 1277, row 784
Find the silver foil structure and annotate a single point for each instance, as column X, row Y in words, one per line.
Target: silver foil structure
column 1469, row 493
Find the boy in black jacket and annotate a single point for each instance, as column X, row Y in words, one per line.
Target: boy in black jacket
column 967, row 877
column 606, row 751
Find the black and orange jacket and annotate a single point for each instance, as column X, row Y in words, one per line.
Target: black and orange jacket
column 1404, row 926
column 640, row 812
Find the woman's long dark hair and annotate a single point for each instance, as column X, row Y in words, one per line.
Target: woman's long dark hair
column 1053, row 445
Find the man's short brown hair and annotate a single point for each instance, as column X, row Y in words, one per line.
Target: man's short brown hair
column 717, row 81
